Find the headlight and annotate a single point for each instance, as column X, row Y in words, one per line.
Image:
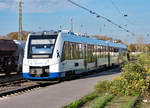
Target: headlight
column 47, row 70
column 32, row 71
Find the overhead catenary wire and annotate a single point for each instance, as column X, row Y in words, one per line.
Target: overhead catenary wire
column 116, row 7
column 120, row 12
column 100, row 16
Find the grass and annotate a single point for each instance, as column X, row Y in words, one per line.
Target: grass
column 94, row 100
column 100, row 102
column 82, row 101
column 131, row 102
column 122, row 102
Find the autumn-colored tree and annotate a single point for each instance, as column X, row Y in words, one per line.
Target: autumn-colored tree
column 102, row 37
column 5, row 37
column 138, row 48
column 108, row 38
column 132, row 47
column 14, row 35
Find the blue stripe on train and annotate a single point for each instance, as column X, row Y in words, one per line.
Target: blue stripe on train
column 52, row 75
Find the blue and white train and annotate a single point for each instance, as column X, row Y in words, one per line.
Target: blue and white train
column 54, row 55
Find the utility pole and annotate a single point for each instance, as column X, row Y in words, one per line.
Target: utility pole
column 20, row 20
column 71, row 25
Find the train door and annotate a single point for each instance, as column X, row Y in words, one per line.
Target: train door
column 85, row 56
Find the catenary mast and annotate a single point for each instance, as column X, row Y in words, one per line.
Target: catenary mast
column 20, row 20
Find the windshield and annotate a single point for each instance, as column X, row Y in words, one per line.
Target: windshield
column 41, row 47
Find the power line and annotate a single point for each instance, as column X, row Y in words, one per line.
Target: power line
column 116, row 7
column 119, row 11
column 99, row 16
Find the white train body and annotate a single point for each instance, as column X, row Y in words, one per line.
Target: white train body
column 50, row 55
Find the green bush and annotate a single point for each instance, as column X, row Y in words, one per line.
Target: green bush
column 135, row 79
column 102, row 86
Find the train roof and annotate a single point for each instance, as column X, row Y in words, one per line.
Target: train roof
column 51, row 32
column 75, row 37
column 78, row 38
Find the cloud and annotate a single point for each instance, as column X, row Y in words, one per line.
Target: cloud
column 37, row 5
column 3, row 5
column 44, row 5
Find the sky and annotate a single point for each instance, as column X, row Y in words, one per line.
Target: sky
column 39, row 15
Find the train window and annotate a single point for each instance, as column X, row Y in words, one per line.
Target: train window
column 106, row 51
column 111, row 49
column 80, row 46
column 115, row 49
column 73, row 48
column 67, row 52
column 95, row 52
column 77, row 52
column 72, row 51
column 91, row 53
column 89, row 59
column 85, row 51
column 41, row 47
column 103, row 53
column 99, row 51
column 64, row 52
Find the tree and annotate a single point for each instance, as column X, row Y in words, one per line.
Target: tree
column 102, row 37
column 14, row 35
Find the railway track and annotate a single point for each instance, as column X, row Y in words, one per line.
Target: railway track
column 10, row 78
column 16, row 86
column 20, row 86
column 12, row 82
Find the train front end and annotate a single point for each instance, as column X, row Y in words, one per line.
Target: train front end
column 39, row 61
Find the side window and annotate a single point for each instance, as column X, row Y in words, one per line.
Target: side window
column 91, row 53
column 99, row 51
column 64, row 52
column 95, row 52
column 80, row 50
column 93, row 58
column 72, row 51
column 103, row 51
